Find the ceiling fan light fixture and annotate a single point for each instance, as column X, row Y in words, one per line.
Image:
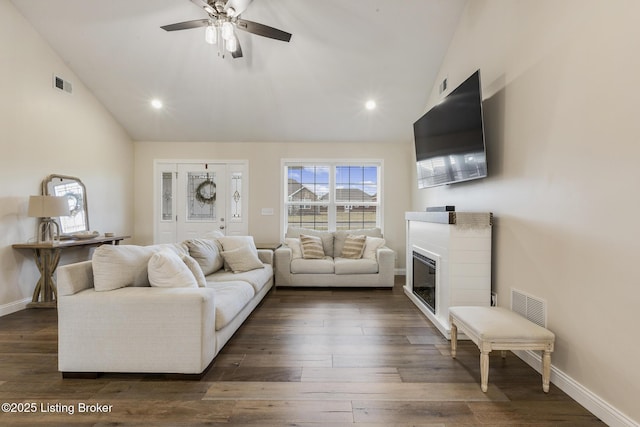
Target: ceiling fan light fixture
column 231, row 45
column 227, row 30
column 210, row 35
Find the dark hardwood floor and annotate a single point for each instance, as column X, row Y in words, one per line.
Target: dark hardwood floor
column 305, row 357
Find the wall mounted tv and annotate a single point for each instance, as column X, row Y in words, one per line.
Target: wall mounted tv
column 449, row 138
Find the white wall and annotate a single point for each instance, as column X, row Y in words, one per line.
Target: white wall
column 265, row 179
column 561, row 83
column 44, row 131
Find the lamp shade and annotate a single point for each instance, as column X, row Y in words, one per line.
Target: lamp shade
column 48, row 206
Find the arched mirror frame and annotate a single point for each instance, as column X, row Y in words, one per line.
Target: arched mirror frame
column 74, row 189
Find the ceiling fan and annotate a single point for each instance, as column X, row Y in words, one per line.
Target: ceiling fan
column 224, row 18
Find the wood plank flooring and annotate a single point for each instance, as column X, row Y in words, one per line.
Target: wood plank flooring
column 305, row 357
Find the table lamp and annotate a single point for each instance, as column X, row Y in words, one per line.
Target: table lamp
column 45, row 208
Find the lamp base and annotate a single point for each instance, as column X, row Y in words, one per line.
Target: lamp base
column 48, row 231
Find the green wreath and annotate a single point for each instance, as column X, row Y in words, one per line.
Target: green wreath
column 202, row 195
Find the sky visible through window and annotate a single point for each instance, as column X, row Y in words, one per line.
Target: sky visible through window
column 316, row 178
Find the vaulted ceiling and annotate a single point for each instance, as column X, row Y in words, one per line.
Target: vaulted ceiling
column 342, row 53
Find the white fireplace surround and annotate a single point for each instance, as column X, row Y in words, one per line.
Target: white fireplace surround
column 460, row 243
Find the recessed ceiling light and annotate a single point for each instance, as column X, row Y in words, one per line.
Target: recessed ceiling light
column 156, row 103
column 370, row 104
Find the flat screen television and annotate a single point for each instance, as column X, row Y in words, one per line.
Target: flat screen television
column 449, row 138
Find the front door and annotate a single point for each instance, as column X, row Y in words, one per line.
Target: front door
column 201, row 200
column 196, row 198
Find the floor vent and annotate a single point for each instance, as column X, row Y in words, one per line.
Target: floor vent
column 530, row 307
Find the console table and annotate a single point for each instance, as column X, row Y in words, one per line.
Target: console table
column 47, row 256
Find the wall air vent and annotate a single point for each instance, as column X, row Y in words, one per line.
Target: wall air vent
column 529, row 307
column 60, row 83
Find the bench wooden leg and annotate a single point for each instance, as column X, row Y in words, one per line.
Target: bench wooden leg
column 484, row 370
column 546, row 370
column 454, row 340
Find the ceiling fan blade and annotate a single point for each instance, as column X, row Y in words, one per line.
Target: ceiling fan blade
column 238, row 6
column 186, row 25
column 263, row 30
column 238, row 52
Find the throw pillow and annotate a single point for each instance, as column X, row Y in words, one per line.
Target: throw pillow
column 230, row 243
column 207, row 253
column 194, row 267
column 242, row 259
column 311, row 247
column 167, row 270
column 294, row 245
column 353, row 246
column 371, row 247
column 117, row 266
column 325, row 236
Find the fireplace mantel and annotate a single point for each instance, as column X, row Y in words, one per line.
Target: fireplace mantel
column 461, row 242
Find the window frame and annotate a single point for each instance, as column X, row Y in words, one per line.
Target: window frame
column 332, row 205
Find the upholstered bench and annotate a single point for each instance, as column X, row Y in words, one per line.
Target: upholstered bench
column 496, row 328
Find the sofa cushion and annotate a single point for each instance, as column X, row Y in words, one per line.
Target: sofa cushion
column 166, row 269
column 312, row 266
column 257, row 278
column 325, row 236
column 311, row 247
column 353, row 246
column 371, row 247
column 340, row 237
column 355, row 266
column 207, row 253
column 117, row 266
column 193, row 265
column 230, row 299
column 242, row 259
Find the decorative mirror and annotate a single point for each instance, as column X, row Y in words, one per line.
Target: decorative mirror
column 75, row 191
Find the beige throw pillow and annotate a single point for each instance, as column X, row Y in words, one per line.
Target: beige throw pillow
column 294, row 245
column 371, row 247
column 167, row 270
column 242, row 259
column 311, row 247
column 353, row 246
column 207, row 253
column 195, row 268
column 230, row 243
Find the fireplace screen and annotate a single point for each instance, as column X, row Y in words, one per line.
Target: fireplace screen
column 424, row 280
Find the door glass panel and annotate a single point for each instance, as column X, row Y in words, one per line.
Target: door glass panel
column 201, row 196
column 236, row 195
column 167, row 196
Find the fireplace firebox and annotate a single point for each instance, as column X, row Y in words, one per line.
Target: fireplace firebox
column 424, row 280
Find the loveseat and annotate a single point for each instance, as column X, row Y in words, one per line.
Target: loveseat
column 341, row 258
column 137, row 309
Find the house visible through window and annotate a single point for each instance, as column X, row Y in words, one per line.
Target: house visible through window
column 333, row 196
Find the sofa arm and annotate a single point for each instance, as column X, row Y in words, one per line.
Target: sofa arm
column 386, row 266
column 137, row 329
column 73, row 278
column 282, row 259
column 266, row 256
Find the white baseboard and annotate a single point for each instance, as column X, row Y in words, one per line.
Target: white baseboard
column 14, row 306
column 594, row 403
column 400, row 272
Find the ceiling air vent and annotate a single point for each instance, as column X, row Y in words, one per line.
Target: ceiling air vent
column 60, row 83
column 530, row 307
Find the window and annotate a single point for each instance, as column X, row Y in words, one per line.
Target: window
column 332, row 195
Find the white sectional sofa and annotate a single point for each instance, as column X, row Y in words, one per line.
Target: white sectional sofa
column 374, row 267
column 132, row 309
